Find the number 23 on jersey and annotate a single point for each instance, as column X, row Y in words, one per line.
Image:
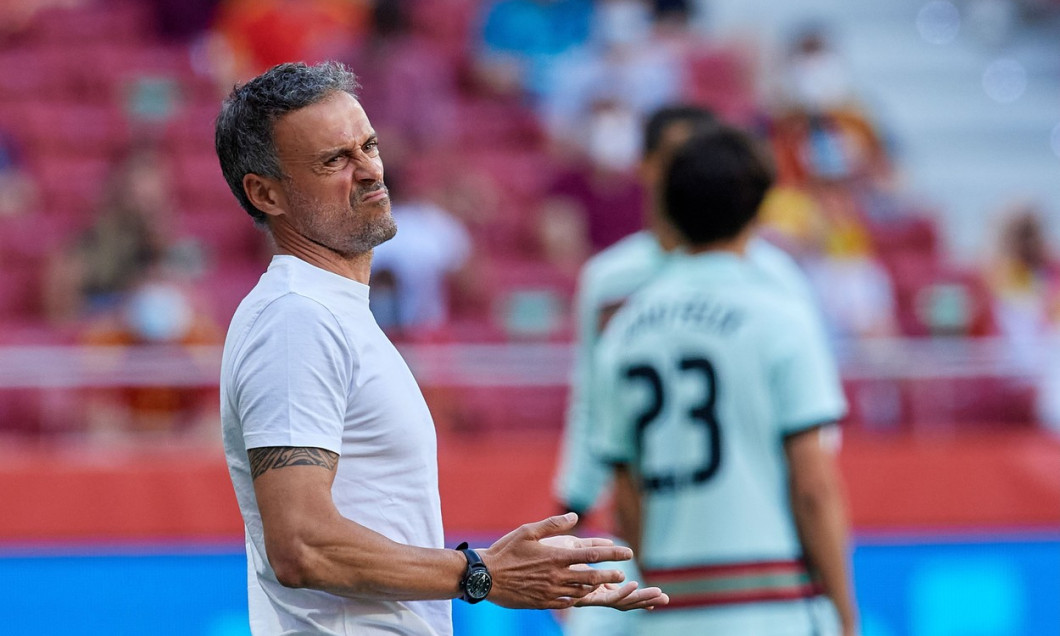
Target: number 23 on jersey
column 699, row 412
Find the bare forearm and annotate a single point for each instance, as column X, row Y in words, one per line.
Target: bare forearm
column 822, row 526
column 309, row 544
column 353, row 561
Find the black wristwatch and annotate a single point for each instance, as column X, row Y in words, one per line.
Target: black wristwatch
column 477, row 582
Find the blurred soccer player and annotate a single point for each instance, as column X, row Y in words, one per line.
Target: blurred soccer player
column 713, row 388
column 606, row 282
column 610, row 277
column 330, row 446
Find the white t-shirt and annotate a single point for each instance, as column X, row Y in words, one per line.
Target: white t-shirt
column 305, row 365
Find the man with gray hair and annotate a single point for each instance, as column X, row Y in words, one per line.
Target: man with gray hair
column 330, row 446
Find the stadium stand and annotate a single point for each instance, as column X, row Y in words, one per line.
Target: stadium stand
column 87, row 80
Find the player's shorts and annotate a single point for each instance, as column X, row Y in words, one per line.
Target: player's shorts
column 815, row 616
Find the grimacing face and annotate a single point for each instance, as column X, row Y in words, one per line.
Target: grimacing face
column 334, row 176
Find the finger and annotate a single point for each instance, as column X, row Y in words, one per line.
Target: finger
column 564, row 541
column 608, row 595
column 589, row 542
column 616, row 595
column 575, row 591
column 560, row 603
column 593, row 577
column 644, row 599
column 650, row 604
column 552, row 526
column 598, row 554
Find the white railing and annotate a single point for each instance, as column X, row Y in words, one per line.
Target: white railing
column 493, row 365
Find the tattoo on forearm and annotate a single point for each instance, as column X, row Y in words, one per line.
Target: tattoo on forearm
column 263, row 459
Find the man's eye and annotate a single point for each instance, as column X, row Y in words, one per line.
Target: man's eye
column 371, row 147
column 335, row 161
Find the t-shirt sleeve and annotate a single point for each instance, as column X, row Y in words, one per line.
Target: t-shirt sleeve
column 292, row 377
column 613, row 438
column 807, row 391
column 581, row 478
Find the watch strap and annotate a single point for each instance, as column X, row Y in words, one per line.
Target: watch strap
column 473, row 558
column 474, row 563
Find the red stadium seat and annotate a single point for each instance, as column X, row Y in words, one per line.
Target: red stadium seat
column 227, row 232
column 222, row 290
column 531, row 299
column 75, row 129
column 909, row 234
column 493, row 124
column 20, row 293
column 192, row 128
column 30, row 74
column 720, row 80
column 28, row 238
column 935, row 300
column 200, row 184
column 70, row 181
column 943, row 404
column 449, row 22
column 91, row 21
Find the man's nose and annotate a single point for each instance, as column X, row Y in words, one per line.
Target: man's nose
column 369, row 170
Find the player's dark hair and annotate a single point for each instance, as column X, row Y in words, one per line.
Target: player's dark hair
column 659, row 122
column 243, row 135
column 715, row 184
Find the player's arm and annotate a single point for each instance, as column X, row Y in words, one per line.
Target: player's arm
column 580, row 477
column 627, row 506
column 820, row 517
column 311, row 545
column 807, row 390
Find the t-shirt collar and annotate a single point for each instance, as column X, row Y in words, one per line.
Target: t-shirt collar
column 319, row 277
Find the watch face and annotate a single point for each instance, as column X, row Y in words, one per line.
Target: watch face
column 478, row 584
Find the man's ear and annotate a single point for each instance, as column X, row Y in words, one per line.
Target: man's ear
column 265, row 194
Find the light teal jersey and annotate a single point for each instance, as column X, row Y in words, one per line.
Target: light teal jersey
column 606, row 282
column 697, row 381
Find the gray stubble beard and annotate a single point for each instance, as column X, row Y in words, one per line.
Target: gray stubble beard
column 376, row 231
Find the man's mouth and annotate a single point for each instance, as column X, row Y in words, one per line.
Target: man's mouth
column 377, row 194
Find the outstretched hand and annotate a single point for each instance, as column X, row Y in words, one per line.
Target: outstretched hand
column 538, row 566
column 624, row 597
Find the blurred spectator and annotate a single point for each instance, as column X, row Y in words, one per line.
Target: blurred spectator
column 160, row 310
column 409, row 79
column 820, row 132
column 833, row 147
column 814, row 78
column 856, row 294
column 258, row 34
column 563, row 235
column 1024, row 277
column 835, row 248
column 132, row 232
column 411, row 273
column 609, row 199
column 672, row 11
column 16, row 16
column 600, row 95
column 181, row 20
column 18, row 192
column 520, row 39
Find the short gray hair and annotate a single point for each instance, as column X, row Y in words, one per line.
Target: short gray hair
column 243, row 135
